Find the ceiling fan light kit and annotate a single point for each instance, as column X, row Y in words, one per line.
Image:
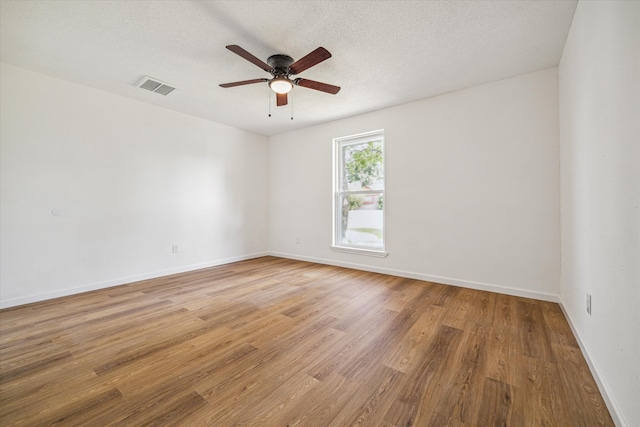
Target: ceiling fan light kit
column 281, row 68
column 281, row 85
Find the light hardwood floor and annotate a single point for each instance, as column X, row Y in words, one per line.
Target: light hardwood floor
column 277, row 342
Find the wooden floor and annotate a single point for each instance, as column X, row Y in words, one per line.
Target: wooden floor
column 276, row 342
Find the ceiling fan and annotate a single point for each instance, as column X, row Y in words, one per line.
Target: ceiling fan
column 282, row 67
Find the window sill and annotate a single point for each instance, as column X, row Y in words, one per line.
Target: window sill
column 359, row 251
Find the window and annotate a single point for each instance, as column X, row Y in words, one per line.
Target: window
column 358, row 203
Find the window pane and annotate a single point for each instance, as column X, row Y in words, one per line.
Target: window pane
column 362, row 166
column 359, row 193
column 362, row 220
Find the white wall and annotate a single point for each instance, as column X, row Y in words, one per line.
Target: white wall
column 599, row 81
column 472, row 181
column 129, row 178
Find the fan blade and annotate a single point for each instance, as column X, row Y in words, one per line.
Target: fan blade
column 281, row 99
column 244, row 82
column 249, row 57
column 315, row 57
column 322, row 87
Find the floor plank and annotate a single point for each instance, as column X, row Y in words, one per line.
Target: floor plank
column 278, row 342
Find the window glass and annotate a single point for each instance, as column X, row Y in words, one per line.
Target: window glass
column 359, row 192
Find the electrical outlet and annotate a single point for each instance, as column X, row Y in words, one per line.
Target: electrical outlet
column 174, row 248
column 589, row 303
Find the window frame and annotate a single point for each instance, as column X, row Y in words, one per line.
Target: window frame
column 339, row 192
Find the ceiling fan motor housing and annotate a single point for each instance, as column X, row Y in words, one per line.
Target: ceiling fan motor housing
column 280, row 64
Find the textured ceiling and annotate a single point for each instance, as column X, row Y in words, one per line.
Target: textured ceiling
column 384, row 52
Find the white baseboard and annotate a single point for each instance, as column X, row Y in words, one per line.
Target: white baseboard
column 125, row 280
column 605, row 390
column 429, row 278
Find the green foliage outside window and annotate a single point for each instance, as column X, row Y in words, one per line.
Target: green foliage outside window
column 364, row 163
column 355, row 201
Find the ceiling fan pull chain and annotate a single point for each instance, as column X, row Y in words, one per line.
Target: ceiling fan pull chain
column 291, row 103
column 269, row 103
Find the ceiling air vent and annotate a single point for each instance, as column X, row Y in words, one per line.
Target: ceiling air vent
column 155, row 85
